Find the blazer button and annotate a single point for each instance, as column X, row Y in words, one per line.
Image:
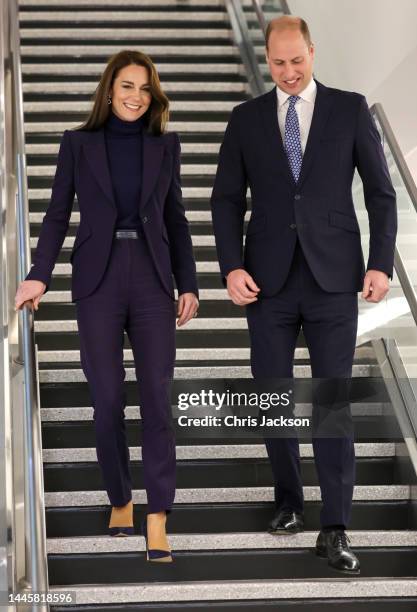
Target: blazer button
column 144, row 219
column 297, row 197
column 293, row 226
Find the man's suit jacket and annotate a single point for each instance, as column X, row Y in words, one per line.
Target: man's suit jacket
column 318, row 208
column 82, row 168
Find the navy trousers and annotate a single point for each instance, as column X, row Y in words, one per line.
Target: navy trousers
column 131, row 297
column 329, row 322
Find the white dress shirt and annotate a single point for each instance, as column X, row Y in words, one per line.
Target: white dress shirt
column 303, row 107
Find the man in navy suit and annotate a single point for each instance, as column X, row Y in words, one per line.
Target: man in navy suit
column 297, row 147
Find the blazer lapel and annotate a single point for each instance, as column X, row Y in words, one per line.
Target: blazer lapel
column 153, row 152
column 269, row 107
column 272, row 134
column 322, row 108
column 96, row 154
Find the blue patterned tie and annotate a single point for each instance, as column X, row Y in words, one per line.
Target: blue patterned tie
column 293, row 139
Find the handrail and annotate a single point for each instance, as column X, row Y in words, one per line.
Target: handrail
column 378, row 110
column 29, row 572
column 406, row 284
column 401, row 393
column 387, row 132
column 257, row 7
column 246, row 48
column 260, row 15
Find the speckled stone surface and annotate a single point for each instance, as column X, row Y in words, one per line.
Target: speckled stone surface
column 94, row 70
column 186, row 169
column 186, row 373
column 133, row 412
column 87, row 87
column 116, row 16
column 223, row 494
column 228, row 541
column 216, row 451
column 193, row 147
column 198, row 241
column 150, row 48
column 207, row 127
column 128, row 3
column 106, row 33
column 206, row 354
column 197, row 323
column 205, row 294
column 245, row 589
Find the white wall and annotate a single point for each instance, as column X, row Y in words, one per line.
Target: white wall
column 369, row 46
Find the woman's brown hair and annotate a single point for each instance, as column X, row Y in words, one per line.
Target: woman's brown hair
column 156, row 117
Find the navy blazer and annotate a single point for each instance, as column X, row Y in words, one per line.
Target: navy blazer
column 318, row 208
column 82, row 168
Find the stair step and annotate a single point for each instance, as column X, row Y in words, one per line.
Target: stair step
column 208, row 353
column 82, row 53
column 132, row 413
column 190, row 4
column 97, row 69
column 227, row 541
column 136, row 34
column 219, row 473
column 221, row 517
column 225, row 494
column 228, row 590
column 371, row 604
column 82, row 108
column 83, row 88
column 133, row 16
column 218, row 451
column 173, row 126
column 74, row 374
column 244, row 565
column 186, row 148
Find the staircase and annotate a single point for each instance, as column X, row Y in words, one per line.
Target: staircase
column 224, row 559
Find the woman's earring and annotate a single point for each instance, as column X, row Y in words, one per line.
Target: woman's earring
column 108, row 100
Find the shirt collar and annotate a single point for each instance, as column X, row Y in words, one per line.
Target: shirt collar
column 308, row 94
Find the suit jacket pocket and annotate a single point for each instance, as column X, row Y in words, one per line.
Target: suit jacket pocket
column 343, row 221
column 84, row 232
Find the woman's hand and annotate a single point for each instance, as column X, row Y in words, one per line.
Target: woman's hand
column 29, row 294
column 187, row 308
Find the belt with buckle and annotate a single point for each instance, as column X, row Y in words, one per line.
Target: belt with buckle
column 127, row 233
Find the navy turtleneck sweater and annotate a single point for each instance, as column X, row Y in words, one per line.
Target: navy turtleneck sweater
column 124, row 152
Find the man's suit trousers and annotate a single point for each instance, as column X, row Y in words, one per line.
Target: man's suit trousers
column 329, row 322
column 131, row 297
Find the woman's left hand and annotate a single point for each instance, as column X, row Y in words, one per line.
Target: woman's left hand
column 187, row 308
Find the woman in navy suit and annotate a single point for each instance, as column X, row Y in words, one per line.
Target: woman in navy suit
column 132, row 237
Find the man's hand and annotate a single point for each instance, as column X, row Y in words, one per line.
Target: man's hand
column 241, row 287
column 375, row 286
column 29, row 294
column 187, row 308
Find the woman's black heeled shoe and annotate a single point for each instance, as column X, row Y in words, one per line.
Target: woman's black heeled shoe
column 154, row 554
column 121, row 531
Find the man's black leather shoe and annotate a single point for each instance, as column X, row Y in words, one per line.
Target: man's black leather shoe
column 334, row 546
column 286, row 522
